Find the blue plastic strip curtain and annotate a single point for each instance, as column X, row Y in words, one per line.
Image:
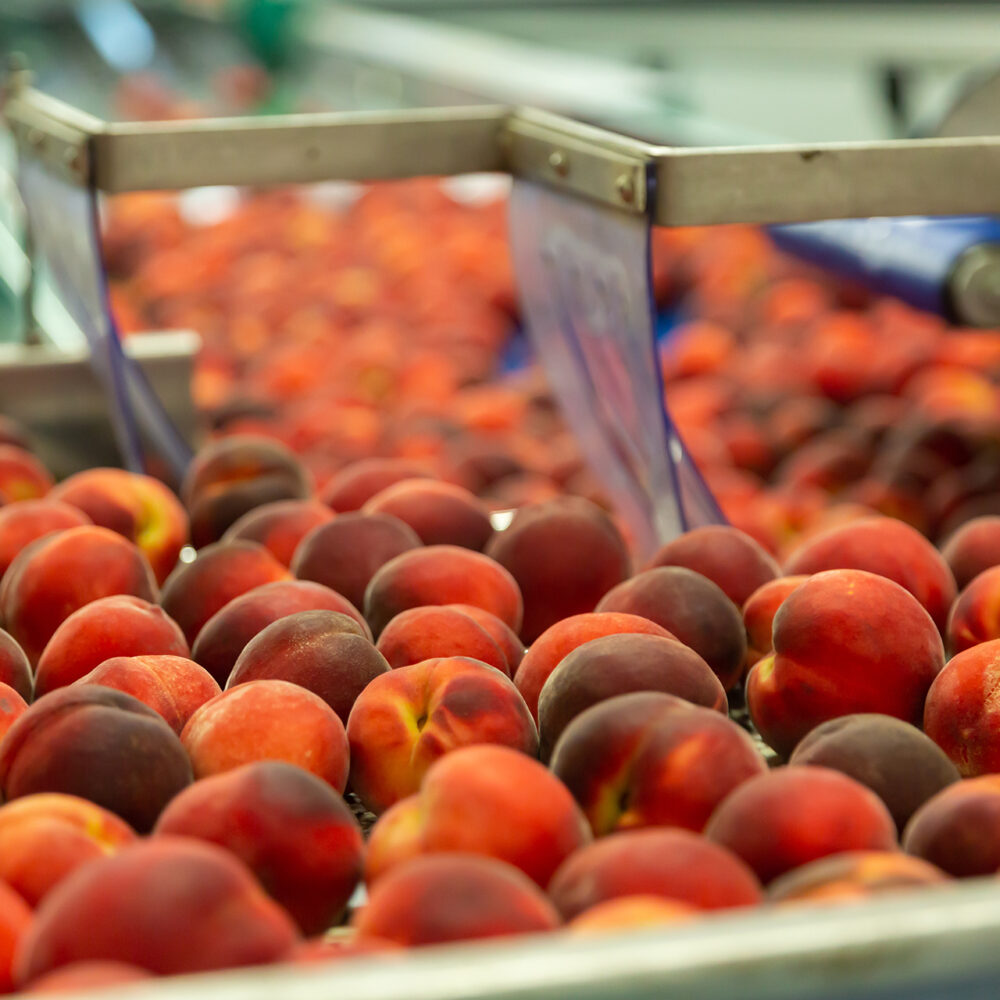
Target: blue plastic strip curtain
column 583, row 272
column 64, row 223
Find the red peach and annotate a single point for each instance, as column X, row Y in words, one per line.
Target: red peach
column 691, row 608
column 112, row 626
column 352, row 487
column 485, row 799
column 454, row 897
column 650, row 759
column 22, row 476
column 565, row 556
column 500, row 632
column 759, row 611
column 620, row 664
column 15, row 920
column 672, row 864
column 408, row 718
column 631, row 912
column 15, row 670
column 845, row 641
column 975, row 615
column 889, row 548
column 289, row 827
column 793, row 815
column 959, row 828
column 214, row 916
column 441, row 574
column 225, row 635
column 252, row 722
column 974, row 547
column 440, row 513
column 325, row 652
column 280, row 526
column 173, row 686
column 97, row 743
column 852, row 876
column 344, row 554
column 728, row 557
column 138, row 507
column 235, row 474
column 60, row 573
column 558, row 641
column 423, row 633
column 46, row 836
column 195, row 591
column 22, row 522
column 12, row 707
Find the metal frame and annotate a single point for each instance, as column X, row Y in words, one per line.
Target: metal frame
column 677, row 186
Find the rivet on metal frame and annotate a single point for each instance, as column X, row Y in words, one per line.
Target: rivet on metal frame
column 559, row 163
column 625, row 186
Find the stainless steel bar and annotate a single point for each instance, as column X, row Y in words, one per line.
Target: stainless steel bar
column 290, row 149
column 806, row 183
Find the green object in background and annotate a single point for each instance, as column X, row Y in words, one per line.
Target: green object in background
column 267, row 27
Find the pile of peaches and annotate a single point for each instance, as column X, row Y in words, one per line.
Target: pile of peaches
column 534, row 732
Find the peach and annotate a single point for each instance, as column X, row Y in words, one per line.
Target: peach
column 959, row 828
column 408, row 718
column 671, row 864
column 454, row 897
column 15, row 670
column 168, row 905
column 759, row 611
column 46, row 836
column 280, row 526
column 138, row 507
column 845, row 641
column 975, row 615
column 345, row 553
column 854, row 875
column 267, row 720
column 889, row 548
column 730, row 558
column 500, row 632
column 565, row 555
column 173, row 686
column 485, row 799
column 650, row 759
column 960, row 714
column 901, row 765
column 441, row 574
column 97, row 743
column 558, row 641
column 12, row 707
column 616, row 665
column 289, row 827
column 87, row 976
column 440, row 513
column 111, row 626
column 355, row 484
column 232, row 476
column 15, row 920
column 225, row 635
column 423, row 633
column 793, row 815
column 630, row 913
column 22, row 522
column 692, row 609
column 196, row 590
column 22, row 476
column 325, row 652
column 59, row 573
column 974, row 547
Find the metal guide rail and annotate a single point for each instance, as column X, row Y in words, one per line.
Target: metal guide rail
column 920, row 945
column 676, row 187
